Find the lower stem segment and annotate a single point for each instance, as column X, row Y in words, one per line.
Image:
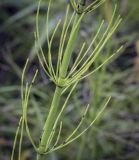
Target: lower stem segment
column 49, row 123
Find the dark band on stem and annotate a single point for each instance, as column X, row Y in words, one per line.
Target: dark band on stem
column 80, row 6
column 82, row 2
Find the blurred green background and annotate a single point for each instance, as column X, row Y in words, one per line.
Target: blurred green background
column 116, row 135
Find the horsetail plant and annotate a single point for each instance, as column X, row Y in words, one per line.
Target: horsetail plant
column 63, row 76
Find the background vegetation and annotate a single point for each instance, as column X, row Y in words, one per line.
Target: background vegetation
column 116, row 135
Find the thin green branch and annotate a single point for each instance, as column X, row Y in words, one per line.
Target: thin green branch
column 84, row 131
column 99, row 47
column 59, row 133
column 92, row 42
column 61, row 111
column 86, row 65
column 15, row 139
column 78, row 126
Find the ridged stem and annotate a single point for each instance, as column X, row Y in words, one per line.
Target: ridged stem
column 49, row 123
column 69, row 49
column 57, row 95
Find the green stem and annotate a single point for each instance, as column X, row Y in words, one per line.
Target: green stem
column 56, row 99
column 57, row 95
column 69, row 49
column 49, row 122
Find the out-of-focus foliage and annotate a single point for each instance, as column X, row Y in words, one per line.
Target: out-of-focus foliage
column 115, row 137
